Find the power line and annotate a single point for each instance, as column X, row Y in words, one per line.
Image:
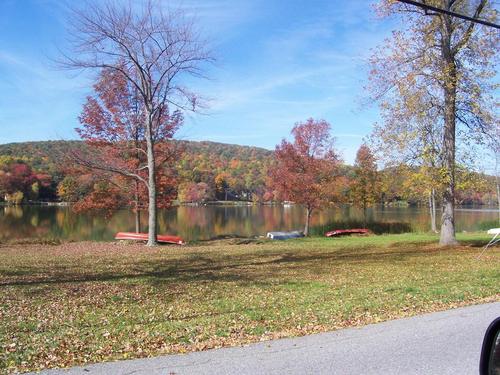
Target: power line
column 454, row 14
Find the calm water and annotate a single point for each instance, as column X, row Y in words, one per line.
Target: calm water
column 207, row 222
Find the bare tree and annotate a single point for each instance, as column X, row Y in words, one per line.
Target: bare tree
column 153, row 49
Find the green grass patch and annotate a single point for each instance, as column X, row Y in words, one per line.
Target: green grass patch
column 88, row 302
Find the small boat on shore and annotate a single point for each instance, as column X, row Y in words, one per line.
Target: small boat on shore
column 144, row 237
column 344, row 232
column 284, row 235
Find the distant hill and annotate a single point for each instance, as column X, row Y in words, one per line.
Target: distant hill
column 243, row 168
column 43, row 155
column 233, row 171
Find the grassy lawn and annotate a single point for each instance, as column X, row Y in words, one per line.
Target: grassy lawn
column 87, row 302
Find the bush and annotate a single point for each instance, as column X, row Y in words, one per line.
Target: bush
column 485, row 225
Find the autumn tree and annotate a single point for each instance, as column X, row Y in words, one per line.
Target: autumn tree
column 221, row 186
column 69, row 189
column 365, row 181
column 116, row 154
column 391, row 179
column 152, row 50
column 305, row 170
column 194, row 192
column 438, row 70
column 471, row 185
column 414, row 147
column 419, row 185
column 18, row 181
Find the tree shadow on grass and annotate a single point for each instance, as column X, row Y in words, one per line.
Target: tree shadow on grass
column 474, row 243
column 251, row 268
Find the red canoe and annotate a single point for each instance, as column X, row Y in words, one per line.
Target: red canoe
column 341, row 232
column 144, row 237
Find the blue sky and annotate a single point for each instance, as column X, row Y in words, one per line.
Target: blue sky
column 278, row 62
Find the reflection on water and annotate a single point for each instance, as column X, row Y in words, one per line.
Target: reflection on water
column 195, row 223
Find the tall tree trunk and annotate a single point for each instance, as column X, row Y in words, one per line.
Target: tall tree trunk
column 448, row 217
column 497, row 183
column 137, row 211
column 498, row 199
column 433, row 224
column 136, row 182
column 137, row 221
column 432, row 210
column 450, row 92
column 308, row 219
column 152, row 230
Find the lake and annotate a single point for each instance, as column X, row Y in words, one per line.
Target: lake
column 205, row 222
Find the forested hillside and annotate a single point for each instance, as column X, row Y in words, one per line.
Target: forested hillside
column 42, row 156
column 206, row 171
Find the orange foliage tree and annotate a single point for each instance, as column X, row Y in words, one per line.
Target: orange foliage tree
column 305, row 170
column 365, row 181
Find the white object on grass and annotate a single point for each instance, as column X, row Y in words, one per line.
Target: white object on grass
column 284, row 235
column 494, row 240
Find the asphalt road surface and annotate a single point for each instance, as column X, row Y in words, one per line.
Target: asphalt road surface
column 447, row 342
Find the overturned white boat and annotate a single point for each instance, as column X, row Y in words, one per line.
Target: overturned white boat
column 284, row 235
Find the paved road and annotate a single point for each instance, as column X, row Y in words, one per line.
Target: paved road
column 447, row 342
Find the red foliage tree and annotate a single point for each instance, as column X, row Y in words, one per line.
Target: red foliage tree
column 305, row 170
column 19, row 177
column 194, row 192
column 112, row 125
